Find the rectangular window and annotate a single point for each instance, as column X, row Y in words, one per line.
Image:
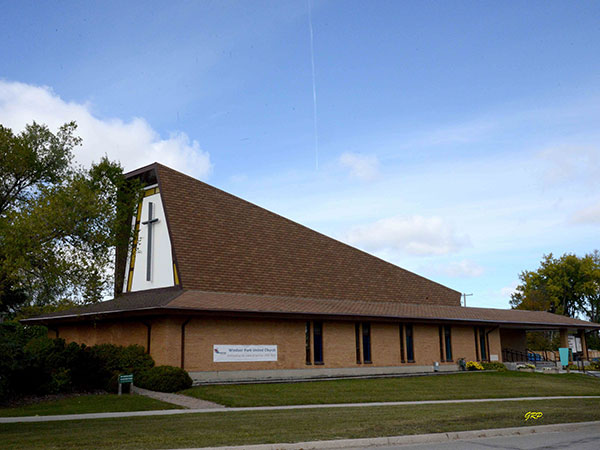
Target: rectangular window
column 366, row 333
column 410, row 354
column 400, row 328
column 476, row 344
column 357, row 339
column 441, row 335
column 318, row 342
column 448, row 342
column 307, row 333
column 482, row 344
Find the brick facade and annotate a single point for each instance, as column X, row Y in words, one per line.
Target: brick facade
column 339, row 342
column 106, row 332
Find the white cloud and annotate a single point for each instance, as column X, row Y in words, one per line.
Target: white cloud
column 589, row 215
column 414, row 235
column 134, row 143
column 459, row 269
column 363, row 167
column 507, row 291
column 568, row 163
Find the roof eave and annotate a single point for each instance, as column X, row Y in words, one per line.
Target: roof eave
column 282, row 314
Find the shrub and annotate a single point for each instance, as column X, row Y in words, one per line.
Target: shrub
column 47, row 366
column 594, row 365
column 474, row 365
column 115, row 360
column 33, row 363
column 13, row 337
column 494, row 366
column 164, row 379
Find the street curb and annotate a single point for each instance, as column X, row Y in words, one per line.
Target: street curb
column 433, row 438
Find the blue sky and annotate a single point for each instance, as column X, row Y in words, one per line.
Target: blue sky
column 459, row 140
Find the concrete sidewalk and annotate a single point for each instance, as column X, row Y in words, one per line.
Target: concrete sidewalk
column 177, row 399
column 429, row 439
column 169, row 412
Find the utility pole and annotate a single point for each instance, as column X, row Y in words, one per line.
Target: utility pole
column 465, row 298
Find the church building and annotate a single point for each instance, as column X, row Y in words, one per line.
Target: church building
column 230, row 291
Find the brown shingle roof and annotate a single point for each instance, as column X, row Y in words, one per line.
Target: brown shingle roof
column 133, row 301
column 174, row 301
column 220, row 301
column 226, row 244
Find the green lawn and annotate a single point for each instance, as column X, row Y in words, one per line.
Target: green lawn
column 87, row 404
column 439, row 387
column 245, row 428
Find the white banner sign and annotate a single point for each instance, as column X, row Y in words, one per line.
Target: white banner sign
column 574, row 344
column 243, row 353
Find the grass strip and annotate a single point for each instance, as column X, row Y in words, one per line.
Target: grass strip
column 439, row 387
column 82, row 404
column 246, row 428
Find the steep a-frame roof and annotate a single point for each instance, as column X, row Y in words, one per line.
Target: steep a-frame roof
column 222, row 243
column 235, row 258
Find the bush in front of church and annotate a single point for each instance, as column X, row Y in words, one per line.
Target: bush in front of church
column 494, row 365
column 164, row 379
column 31, row 363
column 118, row 360
column 474, row 365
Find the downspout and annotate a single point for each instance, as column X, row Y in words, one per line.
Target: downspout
column 55, row 331
column 149, row 336
column 487, row 341
column 183, row 341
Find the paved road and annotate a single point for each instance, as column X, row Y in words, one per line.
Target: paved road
column 586, row 439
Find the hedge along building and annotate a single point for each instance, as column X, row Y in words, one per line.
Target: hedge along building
column 228, row 290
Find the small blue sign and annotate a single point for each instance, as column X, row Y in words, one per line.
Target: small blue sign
column 564, row 356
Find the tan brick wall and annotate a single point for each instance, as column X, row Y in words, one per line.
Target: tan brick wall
column 385, row 344
column 165, row 345
column 339, row 344
column 495, row 345
column 202, row 333
column 427, row 344
column 118, row 333
column 463, row 343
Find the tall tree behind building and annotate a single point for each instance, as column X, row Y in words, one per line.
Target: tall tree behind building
column 568, row 285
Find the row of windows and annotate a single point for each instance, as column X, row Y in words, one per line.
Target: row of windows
column 481, row 343
column 362, row 332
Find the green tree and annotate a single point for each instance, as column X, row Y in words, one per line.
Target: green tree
column 59, row 222
column 569, row 285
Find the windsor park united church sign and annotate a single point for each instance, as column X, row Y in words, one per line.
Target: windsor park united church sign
column 243, row 353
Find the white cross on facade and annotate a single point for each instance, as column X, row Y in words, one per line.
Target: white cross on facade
column 150, row 222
